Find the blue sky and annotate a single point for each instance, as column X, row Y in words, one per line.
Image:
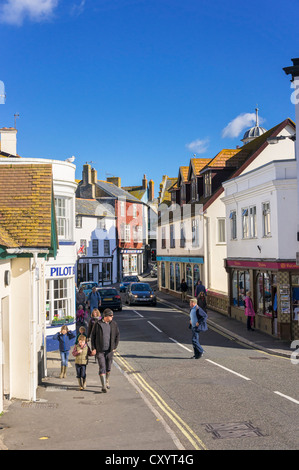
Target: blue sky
column 139, row 86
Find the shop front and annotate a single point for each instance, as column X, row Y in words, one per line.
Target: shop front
column 172, row 270
column 131, row 261
column 97, row 268
column 274, row 288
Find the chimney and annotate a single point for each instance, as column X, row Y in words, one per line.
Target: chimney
column 9, row 140
column 87, row 188
column 94, row 176
column 144, row 182
column 151, row 195
column 86, row 174
column 116, row 180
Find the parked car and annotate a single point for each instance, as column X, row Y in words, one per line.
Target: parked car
column 154, row 271
column 110, row 298
column 126, row 281
column 140, row 292
column 87, row 286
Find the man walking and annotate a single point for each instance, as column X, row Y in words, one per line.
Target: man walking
column 104, row 341
column 198, row 318
column 94, row 299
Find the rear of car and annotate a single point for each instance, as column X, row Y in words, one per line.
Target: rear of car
column 110, row 298
column 126, row 281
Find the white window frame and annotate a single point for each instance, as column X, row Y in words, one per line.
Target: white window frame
column 266, row 213
column 195, row 232
column 221, row 238
column 127, row 233
column 62, row 208
column 233, row 224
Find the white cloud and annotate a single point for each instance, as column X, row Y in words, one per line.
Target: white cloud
column 198, row 145
column 77, row 9
column 15, row 11
column 237, row 125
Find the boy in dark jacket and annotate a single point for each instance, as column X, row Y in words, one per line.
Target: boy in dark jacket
column 104, row 341
column 64, row 338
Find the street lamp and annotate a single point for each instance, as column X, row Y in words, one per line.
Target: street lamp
column 294, row 72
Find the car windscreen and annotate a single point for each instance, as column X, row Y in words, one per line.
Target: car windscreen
column 129, row 279
column 140, row 287
column 88, row 286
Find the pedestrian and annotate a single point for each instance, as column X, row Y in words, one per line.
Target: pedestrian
column 201, row 301
column 81, row 298
column 81, row 352
column 94, row 299
column 64, row 338
column 198, row 322
column 95, row 316
column 81, row 332
column 184, row 289
column 104, row 341
column 199, row 288
column 249, row 311
column 81, row 317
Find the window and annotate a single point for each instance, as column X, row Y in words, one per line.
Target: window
column 122, row 208
column 163, row 278
column 195, row 233
column 171, row 276
column 252, row 222
column 137, row 234
column 78, row 221
column 59, row 298
column 62, row 216
column 101, row 223
column 266, row 219
column 240, row 285
column 249, row 222
column 193, row 189
column 172, row 236
column 177, row 277
column 208, row 184
column 233, row 225
column 245, row 226
column 134, row 211
column 106, row 247
column 163, row 239
column 183, row 237
column 95, row 247
column 265, row 284
column 221, row 230
column 127, row 233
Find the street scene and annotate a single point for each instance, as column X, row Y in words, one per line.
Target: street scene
column 149, row 228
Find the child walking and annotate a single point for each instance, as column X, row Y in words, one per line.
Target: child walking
column 64, row 338
column 81, row 352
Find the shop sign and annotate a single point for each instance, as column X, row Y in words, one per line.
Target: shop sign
column 62, row 271
column 261, row 264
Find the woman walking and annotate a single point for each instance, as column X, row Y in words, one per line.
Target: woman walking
column 249, row 311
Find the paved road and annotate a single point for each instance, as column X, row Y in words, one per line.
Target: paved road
column 235, row 397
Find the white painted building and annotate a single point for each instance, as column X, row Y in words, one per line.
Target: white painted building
column 261, row 208
column 95, row 236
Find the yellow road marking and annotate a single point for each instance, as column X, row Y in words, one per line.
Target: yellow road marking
column 182, row 426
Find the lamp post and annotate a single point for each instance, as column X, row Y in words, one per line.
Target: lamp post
column 294, row 72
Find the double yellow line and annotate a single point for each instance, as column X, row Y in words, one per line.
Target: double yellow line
column 181, row 425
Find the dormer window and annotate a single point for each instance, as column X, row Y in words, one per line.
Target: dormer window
column 208, row 184
column 193, row 189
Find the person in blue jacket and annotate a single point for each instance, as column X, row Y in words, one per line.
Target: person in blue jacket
column 64, row 338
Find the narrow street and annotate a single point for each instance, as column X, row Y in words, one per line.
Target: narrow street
column 234, row 397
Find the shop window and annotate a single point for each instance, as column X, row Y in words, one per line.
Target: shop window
column 59, row 298
column 295, row 297
column 189, row 277
column 106, row 271
column 177, row 277
column 265, row 293
column 240, row 285
column 196, row 274
column 171, row 276
column 163, row 274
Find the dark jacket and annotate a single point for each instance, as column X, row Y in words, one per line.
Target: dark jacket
column 202, row 303
column 184, row 287
column 202, row 319
column 96, row 337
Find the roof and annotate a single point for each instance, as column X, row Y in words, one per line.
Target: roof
column 93, row 208
column 136, row 191
column 197, row 164
column 26, row 206
column 228, row 158
column 116, row 192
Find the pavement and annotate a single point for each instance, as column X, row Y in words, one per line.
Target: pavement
column 66, row 418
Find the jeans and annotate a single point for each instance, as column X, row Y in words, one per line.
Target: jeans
column 198, row 350
column 105, row 361
column 64, row 358
column 81, row 371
